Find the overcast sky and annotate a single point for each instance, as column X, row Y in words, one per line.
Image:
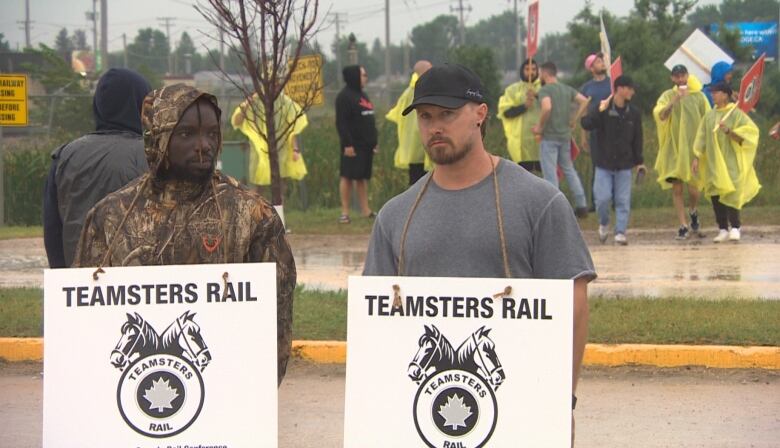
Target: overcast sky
column 365, row 18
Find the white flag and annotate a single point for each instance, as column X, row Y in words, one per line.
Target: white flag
column 605, row 48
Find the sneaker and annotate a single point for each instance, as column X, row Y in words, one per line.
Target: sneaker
column 734, row 234
column 344, row 219
column 581, row 212
column 682, row 233
column 621, row 239
column 723, row 235
column 694, row 221
column 603, row 233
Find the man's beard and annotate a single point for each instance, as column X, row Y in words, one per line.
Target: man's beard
column 446, row 154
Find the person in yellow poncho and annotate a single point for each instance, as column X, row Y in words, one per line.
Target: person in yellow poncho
column 677, row 114
column 519, row 111
column 291, row 163
column 410, row 154
column 724, row 152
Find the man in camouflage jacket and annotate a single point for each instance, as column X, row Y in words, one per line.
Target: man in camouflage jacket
column 185, row 212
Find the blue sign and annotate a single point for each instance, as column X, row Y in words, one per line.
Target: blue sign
column 762, row 36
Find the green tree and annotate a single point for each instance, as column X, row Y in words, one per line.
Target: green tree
column 187, row 47
column 433, row 40
column 150, row 48
column 480, row 60
column 63, row 45
column 79, row 39
column 498, row 33
column 69, row 104
column 4, row 46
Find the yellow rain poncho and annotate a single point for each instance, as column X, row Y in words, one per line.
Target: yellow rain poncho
column 520, row 140
column 677, row 132
column 725, row 166
column 285, row 111
column 410, row 147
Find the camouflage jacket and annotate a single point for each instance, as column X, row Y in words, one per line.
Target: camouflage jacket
column 181, row 223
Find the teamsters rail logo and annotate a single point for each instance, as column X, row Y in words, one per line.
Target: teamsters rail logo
column 160, row 392
column 455, row 405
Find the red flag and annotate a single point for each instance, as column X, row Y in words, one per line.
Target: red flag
column 750, row 87
column 533, row 29
column 615, row 71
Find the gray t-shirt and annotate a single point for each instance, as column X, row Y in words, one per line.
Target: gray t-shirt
column 557, row 126
column 454, row 233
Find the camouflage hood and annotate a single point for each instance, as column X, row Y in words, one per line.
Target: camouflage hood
column 162, row 110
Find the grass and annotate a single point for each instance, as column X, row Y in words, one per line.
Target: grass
column 322, row 315
column 9, row 232
column 324, row 221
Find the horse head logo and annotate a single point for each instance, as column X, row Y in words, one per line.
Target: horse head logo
column 478, row 354
column 434, row 354
column 138, row 340
column 183, row 338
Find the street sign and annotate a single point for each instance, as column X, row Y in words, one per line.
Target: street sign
column 458, row 362
column 160, row 356
column 305, row 85
column 13, row 100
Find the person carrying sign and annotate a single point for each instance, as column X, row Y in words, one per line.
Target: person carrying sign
column 475, row 214
column 619, row 130
column 555, row 125
column 518, row 110
column 724, row 154
column 290, row 122
column 410, row 154
column 677, row 114
column 183, row 211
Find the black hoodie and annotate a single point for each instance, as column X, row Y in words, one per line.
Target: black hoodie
column 355, row 113
column 85, row 170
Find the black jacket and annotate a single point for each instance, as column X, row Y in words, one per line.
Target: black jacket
column 619, row 136
column 85, row 170
column 355, row 114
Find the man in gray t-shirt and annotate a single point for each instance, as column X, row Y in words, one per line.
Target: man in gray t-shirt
column 451, row 214
column 555, row 125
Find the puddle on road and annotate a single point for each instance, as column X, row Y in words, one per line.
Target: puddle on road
column 705, row 271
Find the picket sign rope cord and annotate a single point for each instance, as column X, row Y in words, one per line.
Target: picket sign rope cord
column 501, row 235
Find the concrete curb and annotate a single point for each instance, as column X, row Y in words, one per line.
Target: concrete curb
column 335, row 352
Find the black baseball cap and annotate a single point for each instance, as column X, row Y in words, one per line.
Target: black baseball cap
column 721, row 87
column 624, row 81
column 679, row 69
column 449, row 85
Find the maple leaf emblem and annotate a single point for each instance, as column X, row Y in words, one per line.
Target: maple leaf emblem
column 160, row 395
column 455, row 412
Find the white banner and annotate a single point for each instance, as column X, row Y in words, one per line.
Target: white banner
column 461, row 363
column 160, row 356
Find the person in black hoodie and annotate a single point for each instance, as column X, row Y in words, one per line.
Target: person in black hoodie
column 358, row 140
column 619, row 138
column 87, row 169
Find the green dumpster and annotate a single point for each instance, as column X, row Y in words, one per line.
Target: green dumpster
column 234, row 160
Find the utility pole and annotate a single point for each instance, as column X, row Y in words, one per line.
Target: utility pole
column 124, row 49
column 104, row 34
column 461, row 9
column 387, row 50
column 338, row 19
column 26, row 23
column 94, row 35
column 519, row 37
column 167, row 25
